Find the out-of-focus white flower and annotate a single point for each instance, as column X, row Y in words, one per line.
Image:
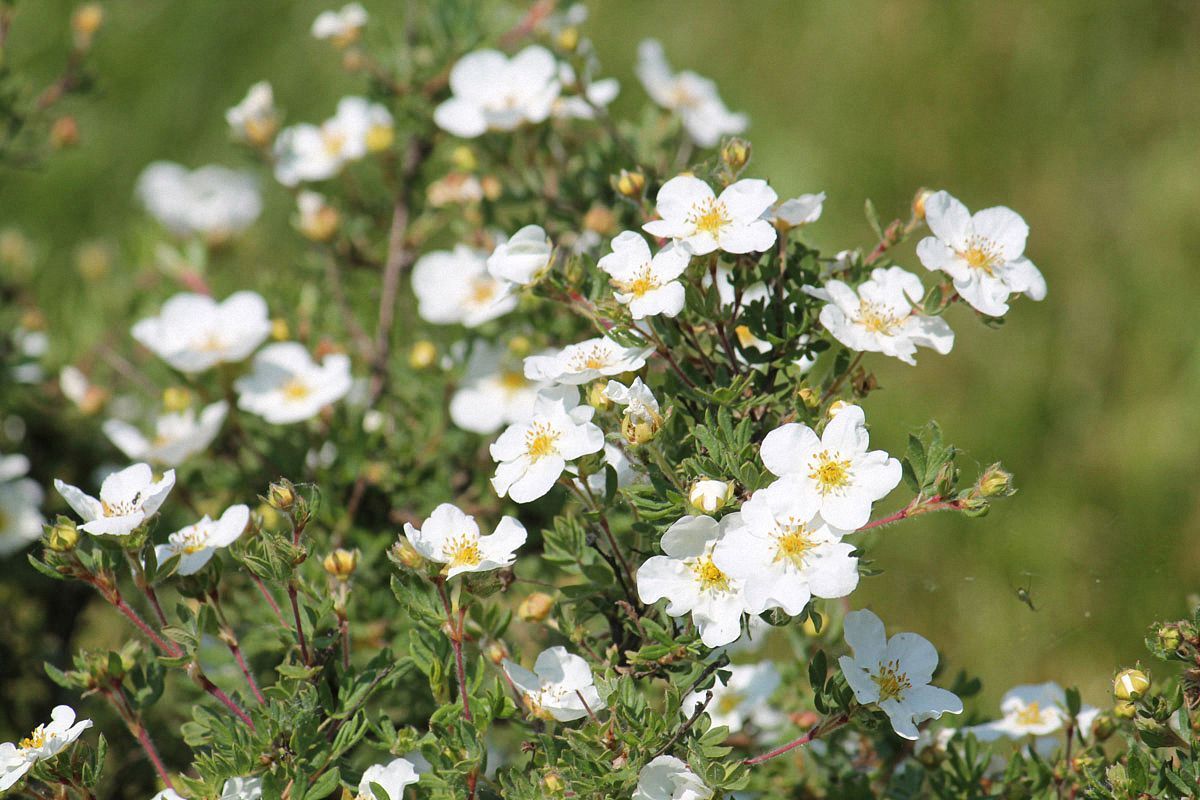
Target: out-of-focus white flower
column 286, row 385
column 306, row 152
column 1033, row 709
column 76, row 387
column 882, row 315
column 455, row 287
column 695, row 217
column 46, row 741
column 744, row 699
column 255, row 119
column 597, row 95
column 522, row 258
column 532, row 454
column 797, row 211
column 494, row 391
column 317, row 219
column 647, row 285
column 490, row 91
column 178, row 435
column 586, row 361
column 457, row 188
column 20, row 497
column 391, row 777
column 692, row 583
column 835, row 466
column 451, row 537
column 342, row 26
column 984, row 253
column 242, row 789
column 127, row 499
column 692, row 97
column 197, row 543
column 894, row 673
column 213, row 201
column 554, row 689
column 668, row 778
column 194, row 332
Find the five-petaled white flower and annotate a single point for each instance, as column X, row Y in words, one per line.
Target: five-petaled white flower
column 20, row 520
column 694, row 98
column 586, row 361
column 881, row 316
column 560, row 687
column 178, row 435
column 197, row 543
column 835, row 466
column 691, row 581
column 983, row 253
column 127, row 499
column 213, row 201
column 342, row 26
column 242, row 789
column 532, row 454
column 286, row 385
column 784, row 553
column 451, row 537
column 522, row 258
column 894, row 674
column 702, row 222
column 307, row 152
column 744, row 699
column 1033, row 709
column 456, row 287
column 668, row 778
column 490, row 91
column 647, row 285
column 494, row 391
column 194, row 332
column 255, row 119
column 797, row 211
column 641, row 406
column 391, row 777
column 46, row 741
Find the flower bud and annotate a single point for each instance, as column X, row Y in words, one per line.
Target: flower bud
column 496, row 652
column 380, row 138
column 835, row 407
column 809, row 397
column 463, row 158
column 553, row 782
column 422, row 355
column 320, row 223
column 1131, row 684
column 407, row 555
column 736, row 154
column 492, row 188
column 631, row 184
column 176, row 399
column 85, row 21
column 536, row 607
column 568, row 39
column 710, row 496
column 519, row 345
column 597, row 398
column 279, row 330
column 638, row 431
column 995, row 482
column 341, row 563
column 62, row 536
column 1124, row 710
column 64, row 133
column 1169, row 638
column 600, row 219
column 282, row 495
column 1103, row 727
column 93, row 260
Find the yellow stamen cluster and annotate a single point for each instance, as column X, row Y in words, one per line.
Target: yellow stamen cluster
column 709, row 216
column 709, row 575
column 540, row 440
column 642, row 284
column 462, row 551
column 513, row 380
column 483, row 290
column 594, row 357
column 193, row 541
column 296, row 389
column 891, row 681
column 792, row 542
column 877, row 318
column 1030, row 715
column 122, row 508
column 35, row 740
column 831, row 474
column 983, row 254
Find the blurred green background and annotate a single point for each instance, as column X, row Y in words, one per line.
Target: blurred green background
column 1083, row 116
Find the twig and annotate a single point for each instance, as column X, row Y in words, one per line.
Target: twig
column 116, row 696
column 456, row 634
column 820, row 729
column 686, row 726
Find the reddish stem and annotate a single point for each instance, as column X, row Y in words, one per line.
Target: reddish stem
column 934, row 503
column 818, row 730
column 299, row 628
column 162, row 644
column 456, row 634
column 262, row 587
column 237, row 655
column 143, row 738
column 225, row 700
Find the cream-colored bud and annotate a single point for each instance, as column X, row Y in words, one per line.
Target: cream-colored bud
column 282, row 495
column 568, row 39
column 407, row 555
column 380, row 138
column 710, row 496
column 62, row 536
column 321, row 225
column 597, row 398
column 631, row 184
column 85, row 21
column 736, row 154
column 1131, row 684
column 995, row 482
column 536, row 607
column 341, row 563
column 638, row 431
column 463, row 158
column 93, row 260
column 176, row 399
column 422, row 355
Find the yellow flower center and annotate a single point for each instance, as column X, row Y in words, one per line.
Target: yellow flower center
column 296, row 389
column 595, row 357
column 462, row 551
column 35, row 740
column 891, row 681
column 877, row 318
column 709, row 216
column 482, row 290
column 1030, row 715
column 728, row 702
column 831, row 474
column 333, row 141
column 211, row 344
column 540, row 441
column 380, row 137
column 981, row 253
column 681, row 97
column 513, row 381
column 792, row 542
column 122, row 508
column 193, row 541
column 709, row 575
column 639, row 286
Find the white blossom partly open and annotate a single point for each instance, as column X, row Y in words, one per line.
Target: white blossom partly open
column 342, row 26
column 391, row 777
column 695, row 217
column 307, row 152
column 797, row 211
column 127, row 499
column 648, row 285
column 213, row 201
column 694, row 98
column 242, row 789
column 194, row 332
column 894, row 674
column 494, row 391
column 692, row 583
column 835, row 466
column 586, row 361
column 532, row 454
column 178, row 435
column 745, row 699
column 20, row 498
column 668, row 778
column 455, row 287
column 286, row 385
column 641, row 406
column 197, row 543
column 1032, row 709
column 784, row 553
column 522, row 258
column 984, row 253
column 558, row 687
column 451, row 537
column 254, row 119
column 882, row 315
column 490, row 91
column 46, row 741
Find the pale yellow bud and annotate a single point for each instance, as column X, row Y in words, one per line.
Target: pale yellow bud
column 710, row 496
column 536, row 607
column 93, row 260
column 809, row 397
column 601, row 220
column 62, row 536
column 736, row 154
column 279, row 330
column 281, row 495
column 638, row 431
column 835, row 407
column 1131, row 684
column 631, row 184
column 520, row 345
column 568, row 39
column 341, row 563
column 422, row 355
column 597, row 398
column 176, row 399
column 321, row 225
column 380, row 138
column 463, row 158
column 918, row 203
column 85, row 21
column 407, row 555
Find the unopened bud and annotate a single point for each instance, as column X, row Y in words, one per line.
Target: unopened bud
column 496, row 652
column 536, row 607
column 492, row 188
column 631, row 184
column 1169, row 638
column 568, row 39
column 282, row 495
column 520, row 345
column 1124, row 710
column 463, row 158
column 406, row 554
column 553, row 782
column 918, row 203
column 1130, row 684
column 320, row 223
column 638, row 430
column 85, row 21
column 422, row 355
column 1103, row 727
column 279, row 330
column 710, row 496
column 62, row 536
column 835, row 407
column 341, row 563
column 809, row 397
column 597, row 397
column 93, row 260
column 995, row 482
column 736, row 154
column 380, row 137
column 64, row 133
column 601, row 220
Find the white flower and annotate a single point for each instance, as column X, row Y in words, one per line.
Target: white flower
column 343, row 26
column 198, row 543
column 647, row 285
column 691, row 582
column 286, row 385
column 177, row 435
column 317, row 219
column 694, row 98
column 1034, row 709
column 522, row 258
column 307, row 152
column 785, row 553
column 254, row 119
column 744, row 699
column 20, row 520
column 455, row 287
column 894, row 673
column 127, row 499
column 797, row 211
column 212, row 201
column 46, row 741
column 984, row 253
column 494, row 391
column 194, row 332
column 586, row 361
column 668, row 778
column 532, row 454
column 835, row 466
column 709, row 495
column 583, row 106
column 490, row 91
column 695, row 217
column 553, row 690
column 168, row 794
column 392, row 778
column 881, row 316
column 640, row 403
column 452, row 537
column 613, row 457
column 242, row 789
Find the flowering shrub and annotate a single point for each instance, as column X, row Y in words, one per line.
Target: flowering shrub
column 557, row 488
